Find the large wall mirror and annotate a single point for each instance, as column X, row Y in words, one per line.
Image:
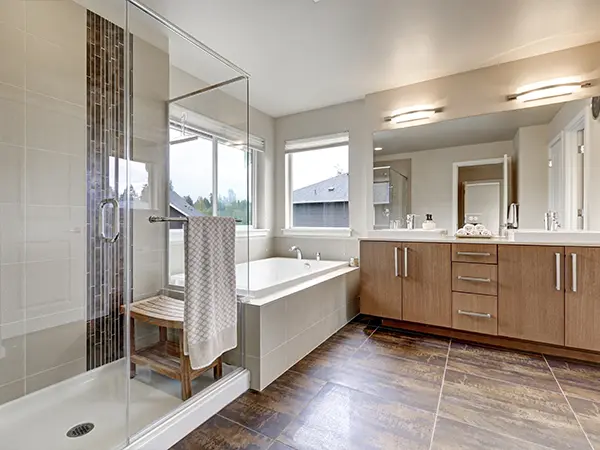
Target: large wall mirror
column 476, row 169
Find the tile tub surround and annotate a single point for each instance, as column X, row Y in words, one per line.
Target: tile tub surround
column 482, row 398
column 282, row 328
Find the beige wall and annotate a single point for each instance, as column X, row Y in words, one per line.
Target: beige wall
column 532, row 175
column 431, row 176
column 42, row 194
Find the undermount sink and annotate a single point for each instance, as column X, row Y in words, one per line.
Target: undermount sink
column 403, row 233
column 559, row 236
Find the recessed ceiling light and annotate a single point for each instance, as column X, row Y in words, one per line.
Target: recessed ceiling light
column 378, row 149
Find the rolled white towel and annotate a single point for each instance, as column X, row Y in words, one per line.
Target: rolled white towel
column 479, row 227
column 469, row 227
column 486, row 233
column 461, row 232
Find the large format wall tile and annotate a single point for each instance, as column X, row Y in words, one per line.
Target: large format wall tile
column 12, row 12
column 12, row 366
column 12, row 293
column 52, row 347
column 66, row 27
column 55, row 375
column 12, row 391
column 12, row 54
column 12, row 115
column 12, row 173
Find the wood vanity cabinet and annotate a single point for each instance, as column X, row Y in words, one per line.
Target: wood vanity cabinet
column 380, row 280
column 582, row 298
column 427, row 283
column 531, row 298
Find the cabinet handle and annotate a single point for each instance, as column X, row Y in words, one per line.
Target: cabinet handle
column 473, row 254
column 396, row 273
column 557, row 256
column 405, row 262
column 475, row 314
column 574, row 272
column 476, row 279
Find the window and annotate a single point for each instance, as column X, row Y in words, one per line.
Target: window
column 317, row 182
column 210, row 174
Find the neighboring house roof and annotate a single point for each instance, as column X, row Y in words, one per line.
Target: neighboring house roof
column 177, row 202
column 327, row 191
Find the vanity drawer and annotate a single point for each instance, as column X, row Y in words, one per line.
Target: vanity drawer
column 475, row 253
column 477, row 313
column 475, row 278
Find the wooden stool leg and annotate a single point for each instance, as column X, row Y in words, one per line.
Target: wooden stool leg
column 132, row 371
column 218, row 369
column 163, row 334
column 186, row 382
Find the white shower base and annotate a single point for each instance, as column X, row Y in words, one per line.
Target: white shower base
column 42, row 419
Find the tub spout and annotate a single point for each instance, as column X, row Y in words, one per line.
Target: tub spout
column 297, row 250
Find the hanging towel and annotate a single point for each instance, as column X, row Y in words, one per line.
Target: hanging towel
column 210, row 301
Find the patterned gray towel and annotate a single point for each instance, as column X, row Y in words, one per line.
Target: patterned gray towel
column 210, row 302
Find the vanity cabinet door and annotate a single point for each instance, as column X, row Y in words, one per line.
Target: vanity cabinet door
column 380, row 281
column 582, row 298
column 531, row 297
column 427, row 283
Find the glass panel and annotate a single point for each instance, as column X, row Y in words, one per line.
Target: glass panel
column 234, row 177
column 320, row 188
column 62, row 256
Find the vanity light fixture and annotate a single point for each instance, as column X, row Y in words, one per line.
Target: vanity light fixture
column 414, row 113
column 378, row 149
column 549, row 89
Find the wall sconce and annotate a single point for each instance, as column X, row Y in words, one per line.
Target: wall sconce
column 413, row 113
column 548, row 89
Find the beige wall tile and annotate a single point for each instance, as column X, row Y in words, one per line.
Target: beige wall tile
column 60, row 22
column 12, row 173
column 12, row 366
column 55, row 179
column 12, row 12
column 54, row 287
column 55, row 232
column 273, row 365
column 55, row 125
column 252, row 330
column 12, row 391
column 55, row 375
column 148, row 273
column 12, row 293
column 12, row 54
column 12, row 233
column 56, row 71
column 12, row 115
column 53, row 347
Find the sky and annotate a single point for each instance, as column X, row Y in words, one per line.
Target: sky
column 317, row 165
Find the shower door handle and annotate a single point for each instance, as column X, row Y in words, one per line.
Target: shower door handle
column 115, row 219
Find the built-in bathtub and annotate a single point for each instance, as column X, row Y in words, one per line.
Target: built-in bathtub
column 291, row 307
column 266, row 276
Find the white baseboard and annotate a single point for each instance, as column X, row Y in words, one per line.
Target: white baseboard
column 194, row 413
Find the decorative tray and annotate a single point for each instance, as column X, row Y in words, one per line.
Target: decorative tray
column 474, row 237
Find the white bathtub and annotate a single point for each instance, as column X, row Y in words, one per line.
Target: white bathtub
column 270, row 275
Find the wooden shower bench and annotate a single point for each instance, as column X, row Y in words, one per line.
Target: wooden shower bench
column 166, row 357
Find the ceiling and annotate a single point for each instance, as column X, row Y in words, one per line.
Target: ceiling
column 304, row 55
column 495, row 127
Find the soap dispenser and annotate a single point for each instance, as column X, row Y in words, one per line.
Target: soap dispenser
column 428, row 223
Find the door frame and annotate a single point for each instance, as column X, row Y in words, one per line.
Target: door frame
column 455, row 167
column 569, row 136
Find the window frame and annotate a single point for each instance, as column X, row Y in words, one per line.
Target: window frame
column 293, row 147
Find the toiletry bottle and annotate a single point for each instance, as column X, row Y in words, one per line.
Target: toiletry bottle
column 428, row 223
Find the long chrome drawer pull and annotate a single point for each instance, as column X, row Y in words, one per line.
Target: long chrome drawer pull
column 475, row 314
column 473, row 254
column 396, row 262
column 574, row 273
column 405, row 262
column 557, row 256
column 478, row 280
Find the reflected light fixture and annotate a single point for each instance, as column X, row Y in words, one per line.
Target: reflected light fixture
column 547, row 89
column 413, row 113
column 378, row 149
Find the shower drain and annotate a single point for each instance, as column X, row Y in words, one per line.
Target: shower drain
column 80, row 430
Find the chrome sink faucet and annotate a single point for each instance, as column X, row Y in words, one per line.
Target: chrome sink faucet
column 297, row 250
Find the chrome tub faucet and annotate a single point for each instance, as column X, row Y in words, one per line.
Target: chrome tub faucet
column 297, row 250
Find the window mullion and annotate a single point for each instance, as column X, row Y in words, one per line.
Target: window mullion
column 215, row 199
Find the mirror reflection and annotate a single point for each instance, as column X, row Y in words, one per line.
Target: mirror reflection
column 530, row 168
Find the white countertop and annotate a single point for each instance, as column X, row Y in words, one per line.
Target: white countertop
column 517, row 237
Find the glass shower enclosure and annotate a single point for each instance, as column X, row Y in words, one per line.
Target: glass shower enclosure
column 109, row 115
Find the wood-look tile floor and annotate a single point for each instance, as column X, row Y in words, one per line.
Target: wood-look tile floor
column 369, row 387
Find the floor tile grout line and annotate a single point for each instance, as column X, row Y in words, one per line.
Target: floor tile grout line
column 568, row 403
column 437, row 410
column 245, row 427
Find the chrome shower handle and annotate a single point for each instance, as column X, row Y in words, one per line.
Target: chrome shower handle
column 115, row 219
